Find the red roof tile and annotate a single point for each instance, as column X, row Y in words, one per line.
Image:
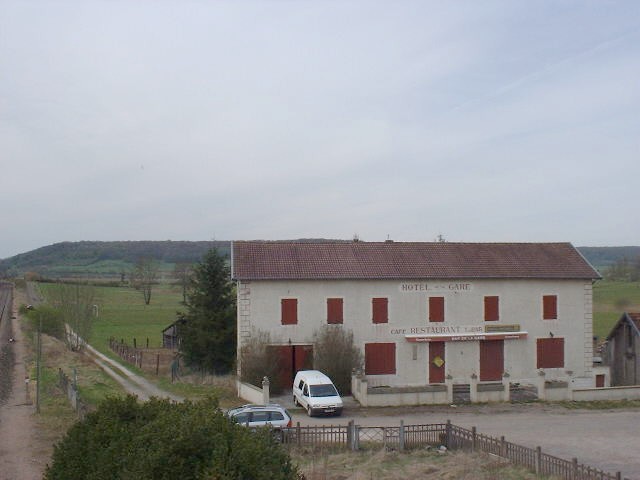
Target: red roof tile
column 291, row 260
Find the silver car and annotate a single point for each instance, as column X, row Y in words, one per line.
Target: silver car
column 271, row 414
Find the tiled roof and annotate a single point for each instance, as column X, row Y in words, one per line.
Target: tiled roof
column 291, row 260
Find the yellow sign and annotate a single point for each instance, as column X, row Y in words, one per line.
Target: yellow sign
column 438, row 362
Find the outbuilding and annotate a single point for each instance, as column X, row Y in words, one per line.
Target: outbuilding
column 432, row 319
column 623, row 350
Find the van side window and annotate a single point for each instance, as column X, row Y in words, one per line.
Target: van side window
column 305, row 391
column 301, row 384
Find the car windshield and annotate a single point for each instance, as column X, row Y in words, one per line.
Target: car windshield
column 323, row 390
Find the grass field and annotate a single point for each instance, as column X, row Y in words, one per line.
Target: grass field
column 610, row 300
column 123, row 314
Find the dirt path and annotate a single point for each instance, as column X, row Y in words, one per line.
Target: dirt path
column 19, row 455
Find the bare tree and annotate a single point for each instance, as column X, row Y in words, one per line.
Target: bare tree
column 77, row 304
column 144, row 276
column 335, row 354
column 258, row 359
column 182, row 272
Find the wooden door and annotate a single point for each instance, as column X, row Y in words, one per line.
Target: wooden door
column 436, row 362
column 491, row 360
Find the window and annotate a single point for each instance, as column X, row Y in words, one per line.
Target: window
column 550, row 352
column 549, row 307
column 289, row 311
column 380, row 358
column 276, row 416
column 436, row 309
column 491, row 309
column 334, row 310
column 380, row 307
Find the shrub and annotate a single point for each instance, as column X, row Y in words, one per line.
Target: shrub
column 52, row 320
column 336, row 355
column 124, row 439
column 258, row 360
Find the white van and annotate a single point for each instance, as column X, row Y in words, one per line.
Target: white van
column 316, row 393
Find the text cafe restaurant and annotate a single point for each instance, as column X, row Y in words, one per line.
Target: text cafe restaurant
column 425, row 315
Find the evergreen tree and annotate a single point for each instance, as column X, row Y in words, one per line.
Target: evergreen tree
column 209, row 333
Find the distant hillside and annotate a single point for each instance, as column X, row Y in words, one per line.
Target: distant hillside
column 112, row 258
column 603, row 257
column 106, row 258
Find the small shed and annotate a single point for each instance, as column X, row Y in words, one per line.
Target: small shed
column 623, row 349
column 171, row 335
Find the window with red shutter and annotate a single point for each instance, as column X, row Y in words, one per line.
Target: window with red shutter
column 334, row 310
column 289, row 311
column 436, row 309
column 380, row 358
column 491, row 309
column 549, row 307
column 380, row 308
column 550, row 352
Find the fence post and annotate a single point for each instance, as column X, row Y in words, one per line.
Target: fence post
column 503, row 447
column 157, row 364
column 401, row 436
column 447, row 435
column 298, row 439
column 574, row 468
column 350, row 435
column 473, row 439
column 538, row 460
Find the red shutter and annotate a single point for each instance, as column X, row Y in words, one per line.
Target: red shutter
column 600, row 381
column 549, row 307
column 436, row 309
column 380, row 358
column 491, row 309
column 550, row 353
column 491, row 360
column 289, row 311
column 380, row 307
column 334, row 310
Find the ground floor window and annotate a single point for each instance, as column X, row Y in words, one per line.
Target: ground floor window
column 550, row 352
column 380, row 358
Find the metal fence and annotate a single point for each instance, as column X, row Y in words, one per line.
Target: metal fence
column 405, row 437
column 70, row 388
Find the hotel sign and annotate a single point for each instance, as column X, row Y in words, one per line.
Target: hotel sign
column 435, row 287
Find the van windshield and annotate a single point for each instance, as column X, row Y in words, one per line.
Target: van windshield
column 323, row 390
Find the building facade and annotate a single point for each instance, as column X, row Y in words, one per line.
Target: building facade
column 425, row 315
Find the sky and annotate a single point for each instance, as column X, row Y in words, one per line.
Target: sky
column 492, row 121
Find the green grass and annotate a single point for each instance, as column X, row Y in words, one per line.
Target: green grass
column 610, row 300
column 122, row 314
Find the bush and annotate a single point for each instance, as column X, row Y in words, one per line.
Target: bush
column 52, row 320
column 124, row 439
column 336, row 355
column 258, row 360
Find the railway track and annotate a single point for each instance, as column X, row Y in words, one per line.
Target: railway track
column 7, row 356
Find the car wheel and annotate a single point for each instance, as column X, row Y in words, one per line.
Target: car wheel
column 295, row 401
column 309, row 411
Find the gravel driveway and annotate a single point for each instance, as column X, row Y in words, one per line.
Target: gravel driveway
column 606, row 439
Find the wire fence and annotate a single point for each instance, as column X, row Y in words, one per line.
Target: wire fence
column 71, row 389
column 406, row 437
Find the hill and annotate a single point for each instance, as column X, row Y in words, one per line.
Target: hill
column 106, row 258
column 603, row 257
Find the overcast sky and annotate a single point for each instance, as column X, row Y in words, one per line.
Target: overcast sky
column 200, row 120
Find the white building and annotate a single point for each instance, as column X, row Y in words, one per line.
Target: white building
column 432, row 319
